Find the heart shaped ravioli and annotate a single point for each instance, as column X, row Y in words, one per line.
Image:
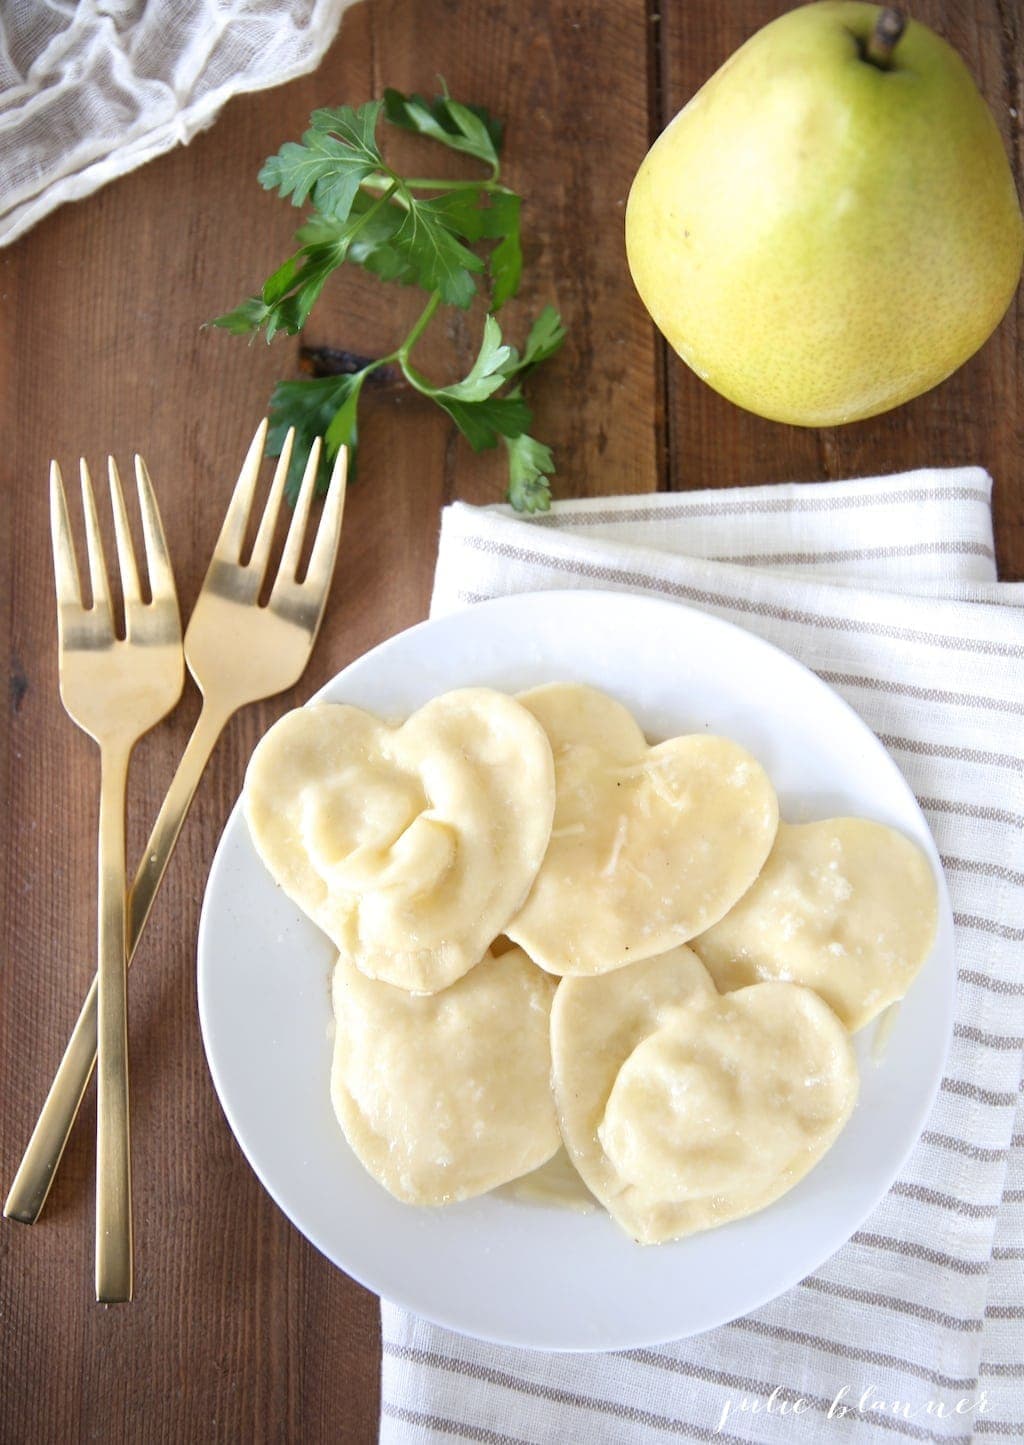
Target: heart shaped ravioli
column 444, row 1096
column 682, row 1108
column 649, row 845
column 846, row 907
column 410, row 846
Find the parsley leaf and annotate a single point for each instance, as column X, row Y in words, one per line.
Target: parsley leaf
column 300, row 285
column 439, row 261
column 462, row 212
column 460, row 127
column 335, row 156
column 312, row 407
column 476, row 411
column 506, row 260
column 344, row 429
column 289, row 295
column 546, row 336
column 487, row 372
column 482, row 422
column 370, row 244
column 481, row 215
column 530, row 463
column 483, row 417
column 247, row 317
column 356, row 127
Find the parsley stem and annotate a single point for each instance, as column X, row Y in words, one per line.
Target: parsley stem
column 401, row 353
column 420, row 183
column 368, row 215
column 378, row 182
column 421, row 324
column 417, row 380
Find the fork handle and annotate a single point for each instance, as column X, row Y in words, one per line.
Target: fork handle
column 113, row 1143
column 56, row 1119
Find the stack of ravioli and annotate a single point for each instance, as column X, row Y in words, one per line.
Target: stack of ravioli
column 550, row 932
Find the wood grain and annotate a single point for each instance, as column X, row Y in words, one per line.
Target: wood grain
column 240, row 1330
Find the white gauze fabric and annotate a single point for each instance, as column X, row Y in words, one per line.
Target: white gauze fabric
column 90, row 90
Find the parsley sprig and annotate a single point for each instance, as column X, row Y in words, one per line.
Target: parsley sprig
column 414, row 231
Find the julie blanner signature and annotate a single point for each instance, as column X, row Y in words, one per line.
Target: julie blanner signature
column 847, row 1402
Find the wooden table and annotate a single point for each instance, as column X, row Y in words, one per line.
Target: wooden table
column 240, row 1331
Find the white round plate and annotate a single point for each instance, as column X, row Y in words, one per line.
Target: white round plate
column 516, row 1272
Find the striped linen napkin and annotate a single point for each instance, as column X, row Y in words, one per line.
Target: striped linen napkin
column 915, row 1329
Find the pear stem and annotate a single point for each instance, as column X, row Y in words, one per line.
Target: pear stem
column 889, row 26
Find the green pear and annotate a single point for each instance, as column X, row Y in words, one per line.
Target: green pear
column 830, row 226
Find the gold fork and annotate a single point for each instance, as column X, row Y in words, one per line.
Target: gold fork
column 115, row 689
column 238, row 652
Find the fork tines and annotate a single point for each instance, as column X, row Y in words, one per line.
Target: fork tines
column 230, row 543
column 158, row 562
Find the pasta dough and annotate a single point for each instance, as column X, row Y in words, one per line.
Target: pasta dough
column 846, row 906
column 410, row 846
column 449, row 856
column 649, row 845
column 444, row 1096
column 683, row 1109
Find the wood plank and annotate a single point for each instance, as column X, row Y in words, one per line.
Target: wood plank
column 240, row 1330
column 976, row 416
